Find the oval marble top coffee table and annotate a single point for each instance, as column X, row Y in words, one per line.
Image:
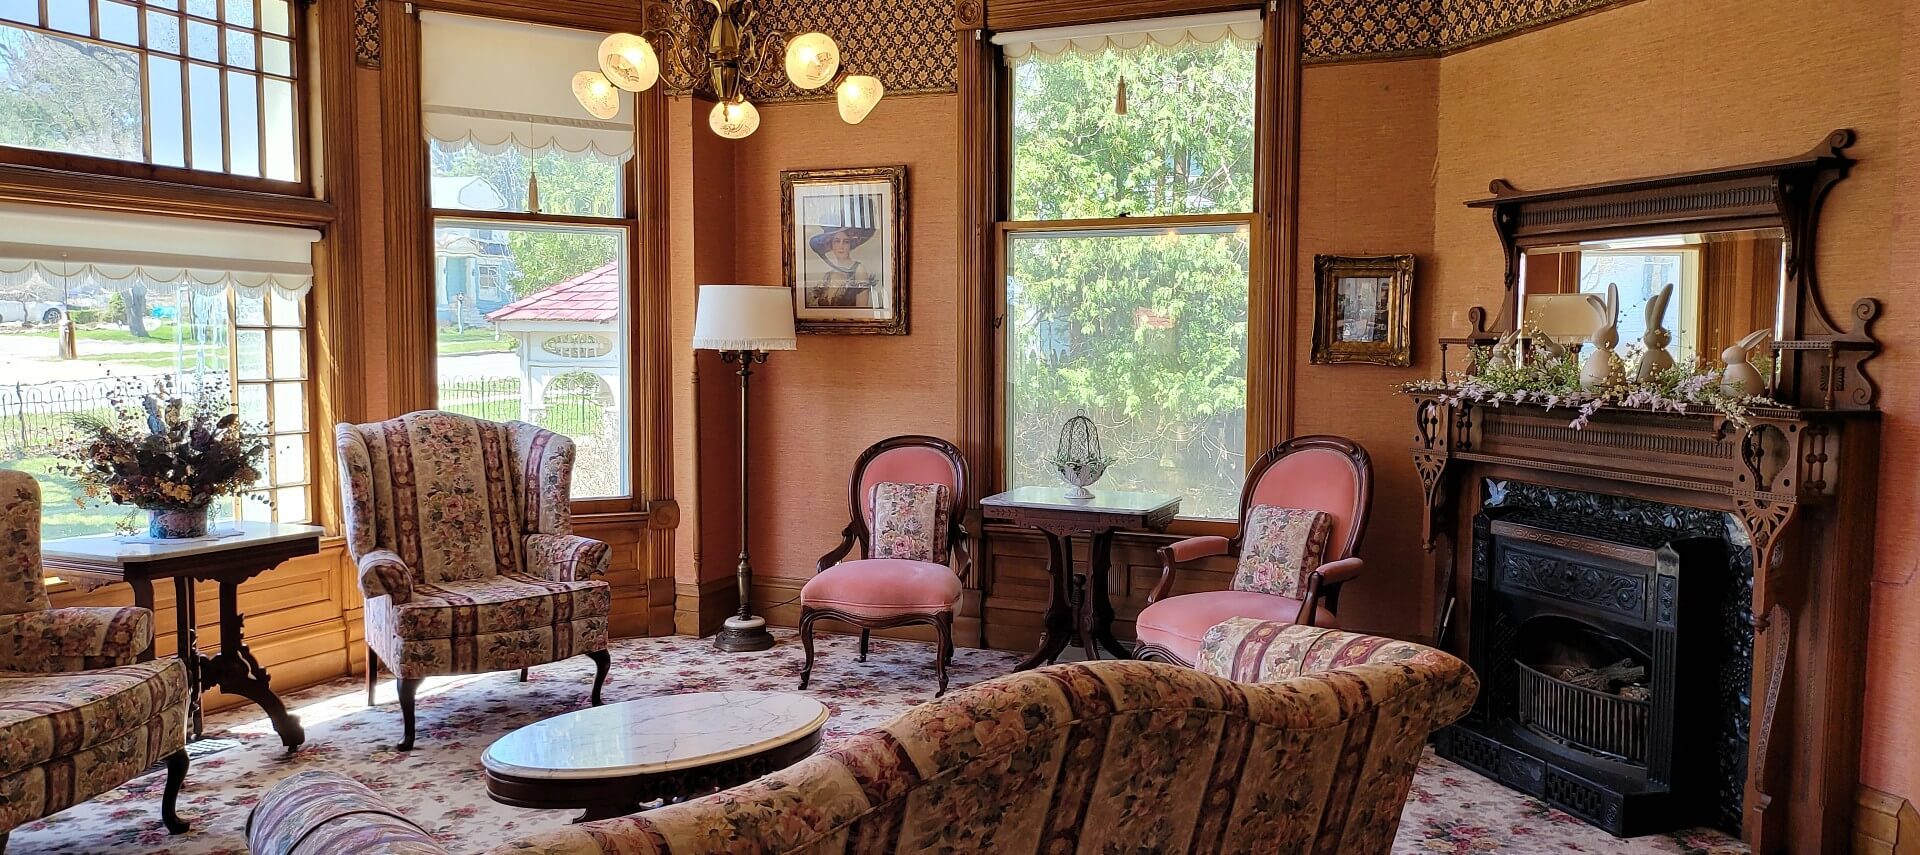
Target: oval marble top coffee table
column 610, row 760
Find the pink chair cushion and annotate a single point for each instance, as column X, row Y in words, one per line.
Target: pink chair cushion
column 913, row 464
column 883, row 587
column 1320, row 479
column 910, row 521
column 1280, row 547
column 1180, row 623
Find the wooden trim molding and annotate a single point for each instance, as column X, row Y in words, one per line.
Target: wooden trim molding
column 337, row 313
column 596, row 15
column 1005, row 15
column 409, row 237
column 1271, row 315
column 652, row 281
column 977, row 83
column 32, row 185
column 1884, row 824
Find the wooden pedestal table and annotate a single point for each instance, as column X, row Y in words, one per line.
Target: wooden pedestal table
column 608, row 761
column 1079, row 613
column 251, row 549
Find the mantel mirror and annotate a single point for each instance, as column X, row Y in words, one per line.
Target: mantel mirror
column 1720, row 287
column 1736, row 244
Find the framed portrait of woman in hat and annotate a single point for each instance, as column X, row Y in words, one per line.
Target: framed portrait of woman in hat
column 845, row 253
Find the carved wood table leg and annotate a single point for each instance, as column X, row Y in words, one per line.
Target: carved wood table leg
column 237, row 672
column 143, row 598
column 1058, row 625
column 1099, row 568
column 187, row 646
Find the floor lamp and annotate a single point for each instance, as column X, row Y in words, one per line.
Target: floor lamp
column 743, row 322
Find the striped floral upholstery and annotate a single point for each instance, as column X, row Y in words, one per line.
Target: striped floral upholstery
column 321, row 813
column 463, row 534
column 78, row 715
column 1085, row 757
column 1260, row 651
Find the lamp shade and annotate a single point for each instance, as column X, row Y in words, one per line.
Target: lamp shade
column 857, row 96
column 596, row 93
column 629, row 61
column 812, row 60
column 735, row 120
column 743, row 317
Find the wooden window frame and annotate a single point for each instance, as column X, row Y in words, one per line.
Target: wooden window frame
column 985, row 172
column 187, row 176
column 409, row 219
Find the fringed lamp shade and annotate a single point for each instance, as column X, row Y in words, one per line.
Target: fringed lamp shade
column 743, row 317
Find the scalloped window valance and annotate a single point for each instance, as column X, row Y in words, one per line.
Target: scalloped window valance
column 496, row 85
column 1243, row 29
column 47, row 249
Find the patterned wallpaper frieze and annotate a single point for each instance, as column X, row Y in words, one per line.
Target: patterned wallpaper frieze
column 1341, row 30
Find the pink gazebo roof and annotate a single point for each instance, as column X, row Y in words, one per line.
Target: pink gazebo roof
column 592, row 297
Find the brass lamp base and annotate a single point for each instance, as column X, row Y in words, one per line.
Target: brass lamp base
column 743, row 635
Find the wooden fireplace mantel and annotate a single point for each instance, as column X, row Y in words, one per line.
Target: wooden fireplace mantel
column 1800, row 483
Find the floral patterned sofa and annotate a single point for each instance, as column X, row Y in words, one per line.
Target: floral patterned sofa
column 1311, row 747
column 78, row 714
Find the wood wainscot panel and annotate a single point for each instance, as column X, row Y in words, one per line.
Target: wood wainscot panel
column 698, row 609
column 298, row 619
column 626, row 534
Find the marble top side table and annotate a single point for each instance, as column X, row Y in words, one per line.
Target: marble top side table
column 92, row 561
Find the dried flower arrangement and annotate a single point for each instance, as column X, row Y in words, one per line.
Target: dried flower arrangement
column 169, row 456
column 1550, row 377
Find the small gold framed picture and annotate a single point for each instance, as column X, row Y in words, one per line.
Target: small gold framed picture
column 1363, row 309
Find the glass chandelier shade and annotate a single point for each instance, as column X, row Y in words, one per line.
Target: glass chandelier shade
column 812, row 60
column 735, row 120
column 857, row 95
column 596, row 93
column 629, row 62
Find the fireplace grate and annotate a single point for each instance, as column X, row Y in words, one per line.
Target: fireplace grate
column 1594, row 721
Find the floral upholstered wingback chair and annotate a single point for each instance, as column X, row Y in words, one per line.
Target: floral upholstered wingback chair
column 904, row 502
column 1302, row 511
column 1307, row 742
column 463, row 534
column 79, row 715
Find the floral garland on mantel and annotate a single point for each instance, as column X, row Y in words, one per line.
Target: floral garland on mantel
column 1550, row 378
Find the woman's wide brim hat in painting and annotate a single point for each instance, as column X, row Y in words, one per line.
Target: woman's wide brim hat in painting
column 854, row 218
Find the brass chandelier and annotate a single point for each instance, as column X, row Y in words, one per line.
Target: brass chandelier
column 735, row 53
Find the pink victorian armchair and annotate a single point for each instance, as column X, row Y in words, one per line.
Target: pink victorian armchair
column 1303, row 740
column 904, row 499
column 80, row 714
column 1309, row 495
column 463, row 533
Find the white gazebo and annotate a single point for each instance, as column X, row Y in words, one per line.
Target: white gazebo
column 569, row 328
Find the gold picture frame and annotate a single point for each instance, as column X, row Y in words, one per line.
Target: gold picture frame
column 844, row 253
column 1363, row 309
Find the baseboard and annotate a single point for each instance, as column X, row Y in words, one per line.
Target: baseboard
column 1884, row 824
column 699, row 608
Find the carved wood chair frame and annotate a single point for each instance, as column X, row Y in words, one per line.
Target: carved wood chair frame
column 857, row 534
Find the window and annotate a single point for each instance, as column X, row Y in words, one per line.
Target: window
column 532, row 226
column 208, row 85
column 233, row 317
column 1128, row 255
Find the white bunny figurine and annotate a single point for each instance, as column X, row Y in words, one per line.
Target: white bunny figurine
column 1656, row 358
column 1506, row 351
column 1597, row 368
column 1741, row 379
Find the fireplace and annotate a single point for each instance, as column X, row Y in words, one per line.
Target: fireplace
column 1613, row 642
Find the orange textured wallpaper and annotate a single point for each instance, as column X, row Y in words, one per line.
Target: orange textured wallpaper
column 1368, row 137
column 816, row 408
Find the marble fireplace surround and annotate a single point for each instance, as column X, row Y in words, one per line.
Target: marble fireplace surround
column 1799, row 484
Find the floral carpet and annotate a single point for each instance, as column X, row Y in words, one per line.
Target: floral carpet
column 439, row 785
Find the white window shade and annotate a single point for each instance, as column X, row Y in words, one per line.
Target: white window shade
column 1242, row 28
column 497, row 84
column 117, row 251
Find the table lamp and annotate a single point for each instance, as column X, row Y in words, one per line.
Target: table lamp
column 743, row 322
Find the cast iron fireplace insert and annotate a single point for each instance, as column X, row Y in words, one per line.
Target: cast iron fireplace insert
column 1612, row 644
